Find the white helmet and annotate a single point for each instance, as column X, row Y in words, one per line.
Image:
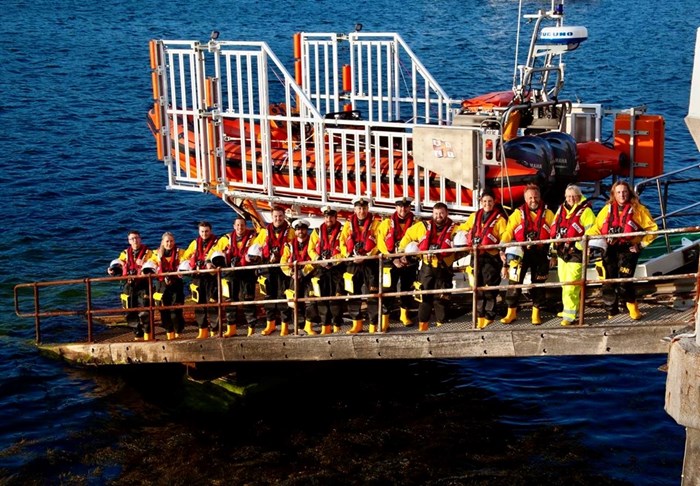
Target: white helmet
column 255, row 251
column 460, row 239
column 184, row 266
column 218, row 259
column 597, row 248
column 149, row 267
column 412, row 247
column 116, row 267
column 514, row 253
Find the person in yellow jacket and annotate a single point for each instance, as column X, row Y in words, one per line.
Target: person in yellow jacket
column 400, row 276
column 485, row 227
column 240, row 284
column 436, row 268
column 170, row 289
column 298, row 251
column 531, row 222
column 573, row 219
column 204, row 286
column 359, row 238
column 623, row 213
column 325, row 245
column 134, row 291
column 272, row 239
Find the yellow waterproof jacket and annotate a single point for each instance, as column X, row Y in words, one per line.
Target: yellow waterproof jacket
column 416, row 233
column 641, row 217
column 498, row 229
column 346, row 233
column 288, row 258
column 515, row 219
column 382, row 233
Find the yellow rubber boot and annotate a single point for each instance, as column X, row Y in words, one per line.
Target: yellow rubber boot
column 203, row 333
column 285, row 329
column 148, row 337
column 385, row 323
column 536, row 316
column 356, row 327
column 405, row 320
column 486, row 321
column 170, row 336
column 326, row 329
column 251, row 331
column 308, row 328
column 337, row 329
column 269, row 329
column 230, row 330
column 479, row 322
column 632, row 307
column 423, row 326
column 372, row 328
column 511, row 316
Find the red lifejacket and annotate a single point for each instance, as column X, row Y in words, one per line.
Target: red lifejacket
column 328, row 240
column 361, row 235
column 132, row 266
column 276, row 238
column 169, row 263
column 620, row 221
column 432, row 240
column 481, row 232
column 235, row 255
column 300, row 253
column 200, row 255
column 396, row 231
column 571, row 227
column 529, row 230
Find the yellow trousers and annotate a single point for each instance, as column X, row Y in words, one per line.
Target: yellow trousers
column 570, row 294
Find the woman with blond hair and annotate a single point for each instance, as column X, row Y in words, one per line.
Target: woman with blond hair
column 572, row 220
column 623, row 213
column 170, row 289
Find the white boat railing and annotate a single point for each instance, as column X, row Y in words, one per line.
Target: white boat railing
column 230, row 119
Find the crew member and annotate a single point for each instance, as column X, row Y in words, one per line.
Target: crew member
column 531, row 222
column 359, row 238
column 572, row 220
column 325, row 245
column 297, row 251
column 436, row 269
column 623, row 213
column 170, row 289
column 401, row 276
column 135, row 290
column 485, row 227
column 204, row 288
column 273, row 282
column 240, row 282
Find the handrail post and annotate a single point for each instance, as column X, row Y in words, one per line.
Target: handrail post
column 584, row 279
column 475, row 272
column 37, row 320
column 380, row 291
column 88, row 296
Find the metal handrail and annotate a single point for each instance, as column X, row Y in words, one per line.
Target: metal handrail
column 90, row 311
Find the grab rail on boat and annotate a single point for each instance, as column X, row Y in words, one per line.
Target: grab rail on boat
column 90, row 311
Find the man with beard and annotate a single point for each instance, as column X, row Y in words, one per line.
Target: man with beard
column 400, row 275
column 531, row 222
column 436, row 269
column 203, row 286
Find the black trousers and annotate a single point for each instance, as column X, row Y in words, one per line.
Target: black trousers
column 173, row 292
column 207, row 292
column 331, row 284
column 489, row 274
column 619, row 262
column 536, row 260
column 402, row 281
column 241, row 285
column 365, row 279
column 277, row 283
column 434, row 278
column 137, row 296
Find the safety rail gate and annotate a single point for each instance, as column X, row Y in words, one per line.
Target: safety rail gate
column 230, row 119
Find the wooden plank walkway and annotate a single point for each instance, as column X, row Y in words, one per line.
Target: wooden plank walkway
column 455, row 339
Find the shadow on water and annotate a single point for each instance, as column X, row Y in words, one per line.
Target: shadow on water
column 308, row 423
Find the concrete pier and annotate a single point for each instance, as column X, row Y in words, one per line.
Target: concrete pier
column 683, row 401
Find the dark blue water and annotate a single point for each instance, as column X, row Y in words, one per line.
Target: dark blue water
column 79, row 170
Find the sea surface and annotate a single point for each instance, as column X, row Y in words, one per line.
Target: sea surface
column 79, row 170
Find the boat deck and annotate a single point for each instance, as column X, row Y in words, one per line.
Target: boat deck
column 454, row 339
